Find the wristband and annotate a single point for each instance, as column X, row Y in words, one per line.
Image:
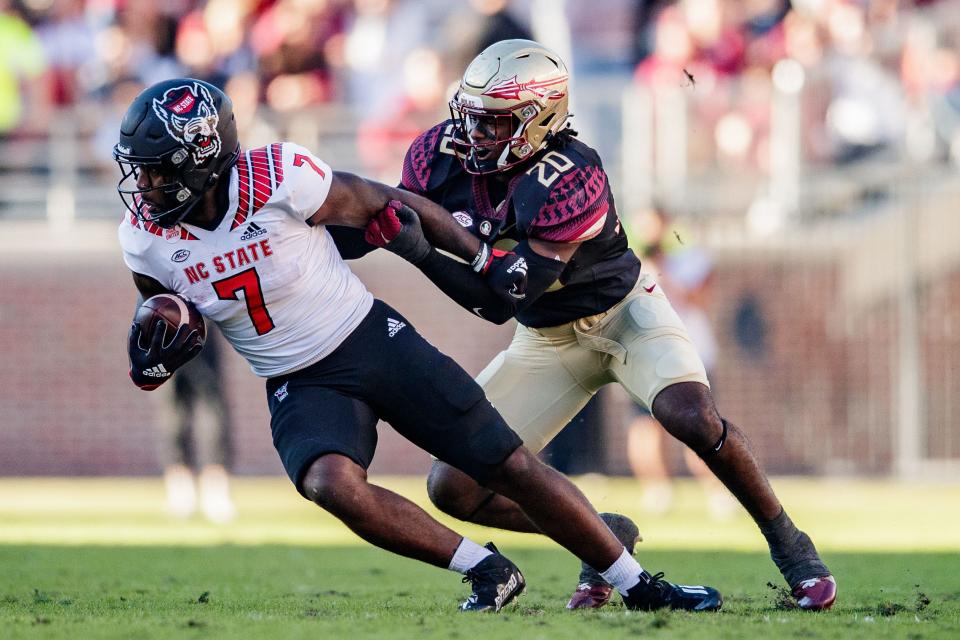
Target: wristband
column 482, row 259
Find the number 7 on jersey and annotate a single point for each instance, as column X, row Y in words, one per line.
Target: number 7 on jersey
column 247, row 281
column 299, row 159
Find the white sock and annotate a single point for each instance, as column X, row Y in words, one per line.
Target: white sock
column 467, row 556
column 624, row 573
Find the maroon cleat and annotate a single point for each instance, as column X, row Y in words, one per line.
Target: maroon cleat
column 590, row 596
column 816, row 594
column 592, row 590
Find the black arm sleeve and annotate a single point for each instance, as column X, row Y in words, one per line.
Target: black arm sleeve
column 470, row 289
column 349, row 241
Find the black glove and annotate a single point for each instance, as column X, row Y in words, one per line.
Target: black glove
column 397, row 228
column 506, row 274
column 151, row 367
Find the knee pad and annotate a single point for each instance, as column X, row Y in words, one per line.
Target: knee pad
column 714, row 449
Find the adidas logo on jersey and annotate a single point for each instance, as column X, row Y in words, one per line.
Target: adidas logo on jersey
column 393, row 326
column 253, row 230
column 158, row 371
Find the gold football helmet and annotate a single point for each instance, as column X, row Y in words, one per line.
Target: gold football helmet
column 511, row 99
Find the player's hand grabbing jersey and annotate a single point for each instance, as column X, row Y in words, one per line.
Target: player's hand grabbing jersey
column 275, row 285
column 563, row 196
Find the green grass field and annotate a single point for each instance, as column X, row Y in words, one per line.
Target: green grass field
column 97, row 559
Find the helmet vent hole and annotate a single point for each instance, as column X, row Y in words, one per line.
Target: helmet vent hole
column 546, row 123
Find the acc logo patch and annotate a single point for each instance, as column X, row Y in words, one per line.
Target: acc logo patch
column 463, row 218
column 180, row 255
column 281, row 393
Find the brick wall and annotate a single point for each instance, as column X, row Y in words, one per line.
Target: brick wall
column 808, row 377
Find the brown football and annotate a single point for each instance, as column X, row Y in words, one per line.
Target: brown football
column 173, row 310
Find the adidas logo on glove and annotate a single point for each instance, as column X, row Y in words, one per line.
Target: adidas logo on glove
column 520, row 266
column 158, row 371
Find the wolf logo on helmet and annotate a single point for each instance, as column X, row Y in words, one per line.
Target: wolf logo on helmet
column 198, row 129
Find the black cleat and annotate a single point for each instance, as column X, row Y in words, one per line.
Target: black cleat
column 592, row 590
column 653, row 592
column 496, row 582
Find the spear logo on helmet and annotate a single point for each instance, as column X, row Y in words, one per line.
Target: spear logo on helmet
column 510, row 89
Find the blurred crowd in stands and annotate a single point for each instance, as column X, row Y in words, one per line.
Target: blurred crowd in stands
column 877, row 73
column 884, row 75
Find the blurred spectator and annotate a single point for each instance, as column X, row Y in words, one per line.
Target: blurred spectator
column 865, row 114
column 380, row 36
column 22, row 62
column 684, row 271
column 293, row 41
column 196, row 449
column 117, row 99
column 67, row 42
column 469, row 30
column 930, row 75
column 644, row 26
column 382, row 139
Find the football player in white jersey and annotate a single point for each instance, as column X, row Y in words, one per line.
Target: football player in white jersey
column 242, row 235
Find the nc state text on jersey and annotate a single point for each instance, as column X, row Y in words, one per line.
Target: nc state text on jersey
column 234, row 259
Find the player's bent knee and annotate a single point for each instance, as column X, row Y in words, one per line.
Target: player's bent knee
column 519, row 466
column 453, row 492
column 689, row 417
column 331, row 479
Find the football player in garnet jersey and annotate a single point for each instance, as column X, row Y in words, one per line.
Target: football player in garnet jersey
column 242, row 234
column 548, row 241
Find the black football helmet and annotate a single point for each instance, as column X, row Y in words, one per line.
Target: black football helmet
column 185, row 130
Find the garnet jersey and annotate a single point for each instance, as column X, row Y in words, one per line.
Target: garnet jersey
column 275, row 285
column 562, row 197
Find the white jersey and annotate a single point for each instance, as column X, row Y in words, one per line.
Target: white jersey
column 275, row 285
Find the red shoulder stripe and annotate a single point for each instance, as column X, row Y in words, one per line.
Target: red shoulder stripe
column 262, row 187
column 243, row 199
column 259, row 173
column 276, row 154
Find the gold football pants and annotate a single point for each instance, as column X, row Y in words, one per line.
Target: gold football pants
column 543, row 379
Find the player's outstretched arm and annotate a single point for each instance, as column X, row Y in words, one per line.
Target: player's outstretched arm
column 495, row 287
column 353, row 201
